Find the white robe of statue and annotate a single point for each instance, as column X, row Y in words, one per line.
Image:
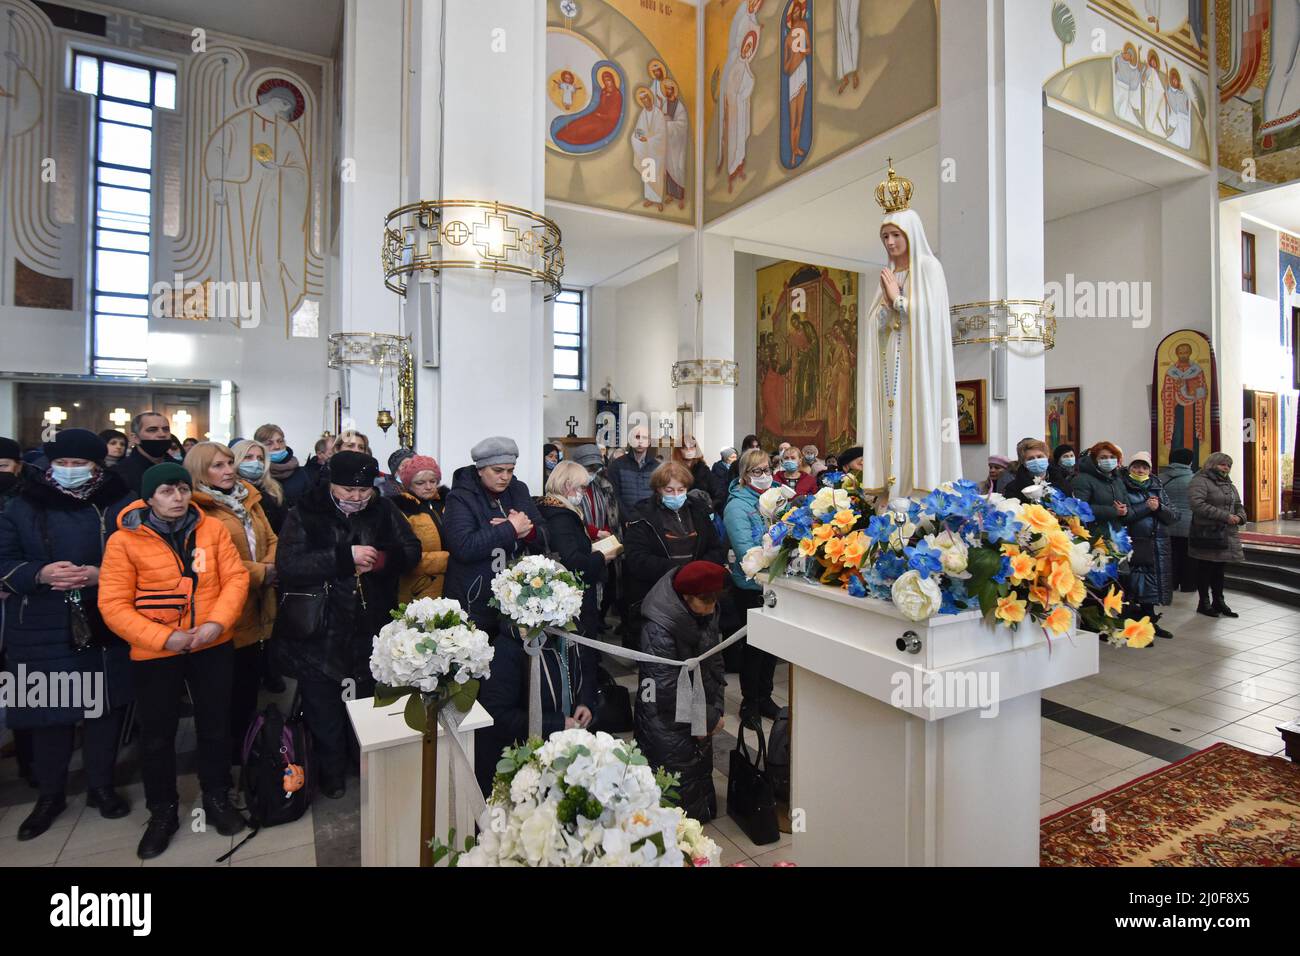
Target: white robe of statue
column 734, row 91
column 909, row 362
column 847, row 37
column 1155, row 109
column 650, row 151
column 679, row 138
column 1282, row 94
column 1180, row 117
column 1170, row 15
column 1127, row 91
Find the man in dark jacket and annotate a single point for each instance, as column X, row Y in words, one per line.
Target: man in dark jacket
column 348, row 546
column 151, row 435
column 630, row 475
column 681, row 621
column 489, row 520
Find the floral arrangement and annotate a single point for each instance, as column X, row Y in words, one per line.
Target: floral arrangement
column 536, row 592
column 955, row 550
column 584, row 799
column 432, row 652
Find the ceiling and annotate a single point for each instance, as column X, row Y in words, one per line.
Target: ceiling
column 1279, row 207
column 607, row 247
column 309, row 26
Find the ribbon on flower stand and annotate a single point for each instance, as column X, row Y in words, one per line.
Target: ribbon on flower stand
column 533, row 642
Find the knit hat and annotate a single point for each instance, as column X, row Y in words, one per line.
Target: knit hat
column 415, row 464
column 700, row 577
column 168, row 473
column 999, row 460
column 1179, row 456
column 76, row 443
column 11, row 449
column 587, row 455
column 396, row 458
column 728, row 452
column 1140, row 456
column 496, row 450
column 353, row 469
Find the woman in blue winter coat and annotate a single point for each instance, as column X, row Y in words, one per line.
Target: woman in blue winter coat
column 1150, row 576
column 52, row 539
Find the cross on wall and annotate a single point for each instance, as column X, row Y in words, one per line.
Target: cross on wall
column 573, row 426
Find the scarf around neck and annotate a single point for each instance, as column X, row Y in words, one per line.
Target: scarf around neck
column 233, row 501
column 81, row 494
column 283, row 469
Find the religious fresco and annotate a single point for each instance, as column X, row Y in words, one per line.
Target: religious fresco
column 620, row 105
column 1258, row 52
column 1139, row 64
column 1185, row 394
column 807, row 355
column 790, row 84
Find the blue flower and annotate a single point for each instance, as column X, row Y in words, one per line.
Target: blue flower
column 938, row 502
column 965, row 505
column 1109, row 573
column 778, row 532
column 1084, row 511
column 856, row 588
column 879, row 529
column 832, row 479
column 924, row 559
column 1000, row 525
column 964, row 487
column 1004, row 571
column 1119, row 537
column 890, row 567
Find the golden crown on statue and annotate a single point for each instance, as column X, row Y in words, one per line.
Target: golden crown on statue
column 894, row 193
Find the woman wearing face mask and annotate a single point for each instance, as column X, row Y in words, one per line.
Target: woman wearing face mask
column 251, row 457
column 282, row 464
column 1065, row 465
column 669, row 529
column 1031, row 476
column 343, row 551
column 565, row 533
column 237, row 504
column 550, row 458
column 814, row 465
column 422, row 500
column 1217, row 517
column 1100, row 485
column 52, row 536
column 1149, row 579
column 793, row 476
column 745, row 530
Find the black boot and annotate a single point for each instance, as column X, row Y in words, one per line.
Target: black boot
column 217, row 807
column 1222, row 609
column 1205, row 607
column 43, row 814
column 1160, row 631
column 163, row 824
column 109, row 801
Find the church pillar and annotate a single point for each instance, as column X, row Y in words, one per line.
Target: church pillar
column 991, row 198
column 707, row 264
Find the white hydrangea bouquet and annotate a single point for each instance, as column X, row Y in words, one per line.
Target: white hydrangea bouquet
column 431, row 651
column 536, row 592
column 584, row 799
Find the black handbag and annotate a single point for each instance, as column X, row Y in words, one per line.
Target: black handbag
column 304, row 614
column 613, row 705
column 751, row 801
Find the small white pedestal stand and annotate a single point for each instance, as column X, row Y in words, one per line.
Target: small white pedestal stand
column 883, row 774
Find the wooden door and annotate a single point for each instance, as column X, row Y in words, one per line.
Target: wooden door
column 1262, row 465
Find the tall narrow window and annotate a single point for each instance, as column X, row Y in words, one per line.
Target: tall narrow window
column 1247, row 262
column 569, row 340
column 126, row 96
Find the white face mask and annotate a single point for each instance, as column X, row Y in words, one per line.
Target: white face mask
column 761, row 483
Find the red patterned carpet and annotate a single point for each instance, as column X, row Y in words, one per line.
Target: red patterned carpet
column 1219, row 807
column 1259, row 537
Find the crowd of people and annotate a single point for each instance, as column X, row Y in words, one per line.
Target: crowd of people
column 213, row 571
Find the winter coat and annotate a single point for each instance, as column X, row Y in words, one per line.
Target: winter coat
column 702, row 480
column 671, row 631
column 721, row 483
column 566, row 535
column 139, row 559
column 1100, row 491
column 132, row 467
column 425, row 517
column 646, row 557
column 1214, row 498
column 258, row 619
column 1062, row 479
column 37, row 620
column 1022, row 480
column 295, row 484
column 631, row 481
column 504, row 695
column 315, row 550
column 745, row 530
column 275, row 511
column 1177, row 481
column 1153, row 584
column 475, row 545
column 803, row 483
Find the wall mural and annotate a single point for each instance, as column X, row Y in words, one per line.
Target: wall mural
column 807, row 355
column 791, row 84
column 1151, row 77
column 620, row 105
column 1258, row 52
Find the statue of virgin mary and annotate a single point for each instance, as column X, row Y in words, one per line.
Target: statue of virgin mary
column 909, row 389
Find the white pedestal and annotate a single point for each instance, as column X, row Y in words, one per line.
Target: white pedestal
column 390, row 782
column 887, row 776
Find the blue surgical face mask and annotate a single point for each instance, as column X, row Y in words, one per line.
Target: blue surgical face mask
column 1067, row 461
column 789, row 466
column 252, row 470
column 675, row 502
column 1107, row 464
column 72, row 477
column 1037, row 466
column 810, row 458
column 280, row 456
column 550, row 464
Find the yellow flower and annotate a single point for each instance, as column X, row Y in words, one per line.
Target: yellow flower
column 823, row 532
column 834, row 549
column 844, row 520
column 855, row 548
column 1099, row 545
column 1077, row 593
column 1010, row 610
column 1077, row 528
column 1061, row 579
column 1113, row 602
column 1010, row 550
column 1059, row 544
column 1022, row 568
column 536, row 582
column 808, row 547
column 1038, row 518
column 1038, row 594
column 1059, row 621
column 1138, row 633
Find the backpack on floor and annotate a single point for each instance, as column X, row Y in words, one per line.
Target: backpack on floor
column 276, row 777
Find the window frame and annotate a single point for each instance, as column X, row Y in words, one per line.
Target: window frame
column 580, row 379
column 1249, row 270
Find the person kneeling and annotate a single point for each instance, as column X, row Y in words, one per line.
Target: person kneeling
column 681, row 621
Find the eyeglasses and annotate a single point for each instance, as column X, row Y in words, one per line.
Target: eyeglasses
column 759, row 472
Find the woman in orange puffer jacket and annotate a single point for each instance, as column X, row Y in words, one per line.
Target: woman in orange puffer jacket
column 172, row 586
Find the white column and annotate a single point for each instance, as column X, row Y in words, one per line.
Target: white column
column 991, row 195
column 708, row 264
column 371, row 63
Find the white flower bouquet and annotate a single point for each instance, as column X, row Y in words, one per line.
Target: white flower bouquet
column 584, row 799
column 536, row 592
column 432, row 652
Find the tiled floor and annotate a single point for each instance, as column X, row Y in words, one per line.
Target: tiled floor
column 1217, row 680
